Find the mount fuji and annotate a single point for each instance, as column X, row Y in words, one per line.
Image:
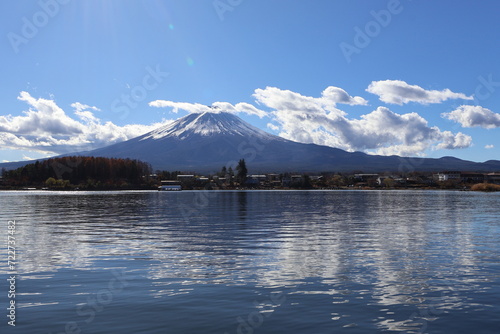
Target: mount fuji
column 204, row 142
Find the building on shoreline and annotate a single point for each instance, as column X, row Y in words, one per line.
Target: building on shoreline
column 467, row 177
column 170, row 185
column 493, row 178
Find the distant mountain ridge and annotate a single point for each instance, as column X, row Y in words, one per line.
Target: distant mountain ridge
column 204, row 142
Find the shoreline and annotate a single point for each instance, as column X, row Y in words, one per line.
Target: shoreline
column 468, row 189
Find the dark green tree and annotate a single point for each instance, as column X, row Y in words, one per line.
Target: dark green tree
column 242, row 170
column 306, row 182
column 223, row 171
column 230, row 176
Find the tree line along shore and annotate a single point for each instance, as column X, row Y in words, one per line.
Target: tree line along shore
column 96, row 173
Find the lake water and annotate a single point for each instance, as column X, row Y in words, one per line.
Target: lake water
column 253, row 262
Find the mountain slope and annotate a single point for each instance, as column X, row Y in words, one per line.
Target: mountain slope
column 205, row 142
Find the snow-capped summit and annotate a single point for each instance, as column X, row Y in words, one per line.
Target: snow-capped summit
column 206, row 124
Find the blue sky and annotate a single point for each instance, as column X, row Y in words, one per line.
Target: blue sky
column 384, row 77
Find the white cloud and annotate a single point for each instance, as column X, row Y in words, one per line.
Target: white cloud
column 82, row 111
column 285, row 99
column 176, row 106
column 488, row 147
column 86, row 116
column 474, row 116
column 272, row 126
column 330, row 97
column 311, row 120
column 46, row 128
column 215, row 107
column 452, row 141
column 81, row 107
column 338, row 95
column 239, row 108
column 44, row 118
column 399, row 92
